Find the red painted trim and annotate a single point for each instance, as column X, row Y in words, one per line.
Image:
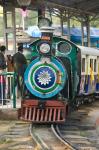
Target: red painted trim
column 54, row 112
column 48, row 103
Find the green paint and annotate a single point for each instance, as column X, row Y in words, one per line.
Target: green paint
column 72, row 56
column 14, row 95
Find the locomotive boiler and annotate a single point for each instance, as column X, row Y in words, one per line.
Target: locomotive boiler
column 52, row 79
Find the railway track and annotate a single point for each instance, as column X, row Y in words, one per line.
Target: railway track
column 78, row 133
column 81, row 130
column 15, row 135
column 46, row 138
column 58, row 134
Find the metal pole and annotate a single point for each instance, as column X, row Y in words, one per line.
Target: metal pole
column 9, row 29
column 88, row 31
column 61, row 22
column 5, row 26
column 68, row 25
column 41, row 14
column 14, row 29
column 23, row 23
column 82, row 31
column 14, row 95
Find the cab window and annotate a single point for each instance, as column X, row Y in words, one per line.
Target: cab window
column 83, row 64
column 95, row 65
column 91, row 63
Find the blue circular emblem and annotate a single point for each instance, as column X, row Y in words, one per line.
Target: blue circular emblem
column 44, row 77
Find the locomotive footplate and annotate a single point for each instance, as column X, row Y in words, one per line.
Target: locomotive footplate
column 43, row 112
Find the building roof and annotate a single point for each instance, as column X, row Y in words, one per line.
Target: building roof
column 89, row 6
column 85, row 6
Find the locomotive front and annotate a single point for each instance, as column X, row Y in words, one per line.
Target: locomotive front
column 44, row 78
column 46, row 75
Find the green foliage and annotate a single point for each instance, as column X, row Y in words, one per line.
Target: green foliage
column 95, row 23
column 32, row 19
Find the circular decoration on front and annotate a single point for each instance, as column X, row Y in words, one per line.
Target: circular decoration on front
column 44, row 48
column 44, row 77
column 41, row 78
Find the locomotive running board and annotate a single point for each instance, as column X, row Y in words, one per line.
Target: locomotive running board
column 48, row 112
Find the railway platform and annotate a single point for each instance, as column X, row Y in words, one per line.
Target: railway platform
column 7, row 112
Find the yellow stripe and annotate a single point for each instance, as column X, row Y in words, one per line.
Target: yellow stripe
column 98, row 71
column 91, row 75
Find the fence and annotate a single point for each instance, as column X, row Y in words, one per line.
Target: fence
column 7, row 90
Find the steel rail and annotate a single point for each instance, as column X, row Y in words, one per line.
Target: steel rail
column 58, row 134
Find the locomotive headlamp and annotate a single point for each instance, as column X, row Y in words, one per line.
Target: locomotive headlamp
column 45, row 44
column 44, row 48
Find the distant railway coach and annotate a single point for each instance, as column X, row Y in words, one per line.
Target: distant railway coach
column 60, row 74
column 89, row 86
